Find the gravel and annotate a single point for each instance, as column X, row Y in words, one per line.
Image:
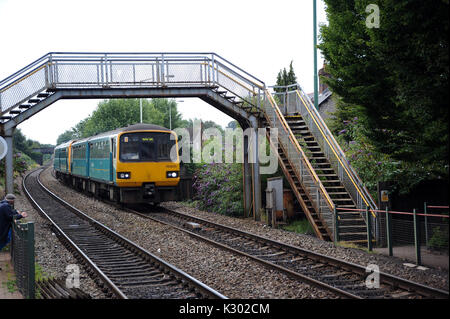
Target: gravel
column 232, row 275
column 50, row 255
column 434, row 277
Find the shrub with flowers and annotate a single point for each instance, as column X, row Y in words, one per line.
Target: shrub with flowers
column 218, row 188
column 20, row 166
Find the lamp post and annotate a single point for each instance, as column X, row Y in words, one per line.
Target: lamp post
column 170, row 112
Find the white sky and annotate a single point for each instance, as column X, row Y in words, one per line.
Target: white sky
column 259, row 36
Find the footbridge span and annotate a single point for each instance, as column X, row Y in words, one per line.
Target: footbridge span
column 318, row 172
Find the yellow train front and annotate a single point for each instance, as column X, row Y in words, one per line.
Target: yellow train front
column 135, row 164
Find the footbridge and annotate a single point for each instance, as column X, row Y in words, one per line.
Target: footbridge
column 312, row 161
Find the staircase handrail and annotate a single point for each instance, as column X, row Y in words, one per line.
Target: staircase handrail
column 331, row 141
column 300, row 150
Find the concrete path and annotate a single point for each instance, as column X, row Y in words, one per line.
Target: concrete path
column 430, row 259
column 7, row 278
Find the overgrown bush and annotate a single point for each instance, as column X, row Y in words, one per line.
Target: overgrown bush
column 439, row 240
column 369, row 164
column 218, row 188
column 21, row 164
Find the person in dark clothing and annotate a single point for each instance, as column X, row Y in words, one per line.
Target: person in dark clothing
column 7, row 215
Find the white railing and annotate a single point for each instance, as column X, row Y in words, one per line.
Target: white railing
column 127, row 70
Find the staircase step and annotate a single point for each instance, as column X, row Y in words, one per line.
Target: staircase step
column 359, row 241
column 34, row 101
column 354, row 234
column 24, row 106
column 351, row 222
column 14, row 112
column 352, row 228
column 44, row 94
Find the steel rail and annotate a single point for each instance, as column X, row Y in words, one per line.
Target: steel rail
column 66, row 239
column 192, row 282
column 391, row 280
column 289, row 272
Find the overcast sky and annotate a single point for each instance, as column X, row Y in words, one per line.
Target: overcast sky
column 259, row 36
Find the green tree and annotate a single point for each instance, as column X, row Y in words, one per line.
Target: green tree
column 167, row 113
column 115, row 113
column 285, row 78
column 393, row 78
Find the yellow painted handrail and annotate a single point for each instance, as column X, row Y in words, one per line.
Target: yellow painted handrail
column 334, row 151
column 299, row 149
column 24, row 78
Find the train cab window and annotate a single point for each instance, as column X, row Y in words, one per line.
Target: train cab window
column 145, row 147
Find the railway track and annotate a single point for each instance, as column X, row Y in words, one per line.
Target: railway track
column 346, row 279
column 124, row 269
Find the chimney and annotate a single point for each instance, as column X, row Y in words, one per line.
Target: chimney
column 322, row 73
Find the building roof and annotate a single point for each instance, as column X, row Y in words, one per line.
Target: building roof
column 322, row 97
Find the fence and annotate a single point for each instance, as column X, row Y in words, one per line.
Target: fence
column 413, row 231
column 22, row 256
column 184, row 188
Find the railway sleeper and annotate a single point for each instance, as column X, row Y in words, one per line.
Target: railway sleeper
column 150, row 283
column 126, row 267
column 142, row 275
column 116, row 261
column 148, row 271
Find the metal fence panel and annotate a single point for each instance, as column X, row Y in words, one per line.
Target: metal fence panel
column 22, row 256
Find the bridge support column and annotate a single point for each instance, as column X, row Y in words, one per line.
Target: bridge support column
column 256, row 177
column 9, row 162
column 247, row 179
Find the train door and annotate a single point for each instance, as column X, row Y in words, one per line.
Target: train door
column 113, row 159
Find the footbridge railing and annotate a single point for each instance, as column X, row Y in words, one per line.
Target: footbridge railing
column 55, row 71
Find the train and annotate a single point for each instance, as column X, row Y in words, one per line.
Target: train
column 136, row 164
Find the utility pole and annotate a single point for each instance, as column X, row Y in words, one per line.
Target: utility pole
column 316, row 93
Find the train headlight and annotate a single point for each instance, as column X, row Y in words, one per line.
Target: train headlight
column 124, row 175
column 172, row 174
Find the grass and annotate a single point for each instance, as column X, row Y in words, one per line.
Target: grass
column 10, row 284
column 300, row 226
column 39, row 275
column 345, row 244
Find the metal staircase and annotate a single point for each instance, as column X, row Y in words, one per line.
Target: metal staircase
column 330, row 182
